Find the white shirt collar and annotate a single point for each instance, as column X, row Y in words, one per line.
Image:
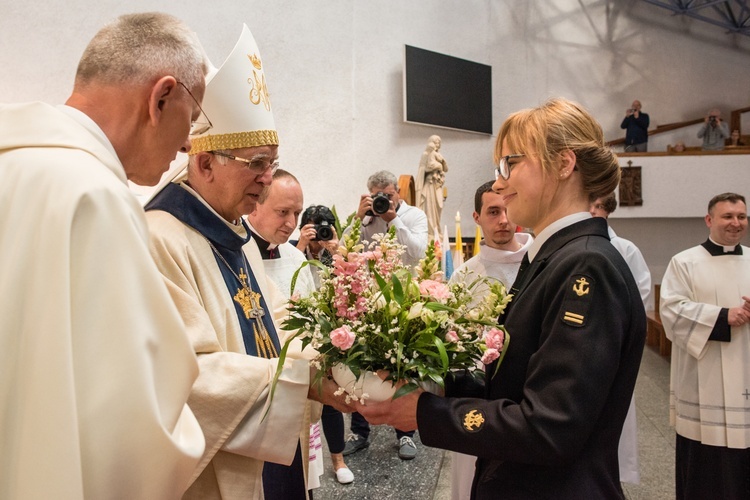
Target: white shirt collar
column 556, row 226
column 726, row 248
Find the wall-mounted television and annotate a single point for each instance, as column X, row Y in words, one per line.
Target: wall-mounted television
column 445, row 91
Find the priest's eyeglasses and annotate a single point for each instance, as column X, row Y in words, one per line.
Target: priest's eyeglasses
column 504, row 166
column 258, row 167
column 199, row 126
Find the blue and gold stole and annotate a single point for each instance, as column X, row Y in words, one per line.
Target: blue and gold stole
column 256, row 322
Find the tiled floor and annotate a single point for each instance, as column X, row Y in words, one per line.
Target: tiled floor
column 379, row 474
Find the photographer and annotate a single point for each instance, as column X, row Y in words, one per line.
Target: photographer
column 317, row 234
column 318, row 240
column 714, row 131
column 378, row 211
column 383, row 208
column 636, row 125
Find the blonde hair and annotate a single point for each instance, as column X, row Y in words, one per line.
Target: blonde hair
column 141, row 48
column 543, row 133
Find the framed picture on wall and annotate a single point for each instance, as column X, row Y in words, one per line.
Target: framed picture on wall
column 631, row 192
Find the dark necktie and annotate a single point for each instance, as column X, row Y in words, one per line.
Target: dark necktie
column 521, row 272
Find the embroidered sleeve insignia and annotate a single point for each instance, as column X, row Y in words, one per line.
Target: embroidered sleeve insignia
column 573, row 318
column 473, row 420
column 581, row 287
column 578, row 297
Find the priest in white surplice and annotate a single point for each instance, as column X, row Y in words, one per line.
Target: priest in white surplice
column 500, row 255
column 200, row 243
column 705, row 309
column 95, row 366
column 272, row 223
column 627, row 451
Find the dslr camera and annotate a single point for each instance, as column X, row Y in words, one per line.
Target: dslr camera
column 381, row 203
column 322, row 218
column 712, row 119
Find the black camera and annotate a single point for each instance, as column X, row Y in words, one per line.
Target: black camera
column 381, row 203
column 323, row 231
column 712, row 119
column 323, row 219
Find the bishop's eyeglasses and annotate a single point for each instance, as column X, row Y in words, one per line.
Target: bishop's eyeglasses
column 258, row 167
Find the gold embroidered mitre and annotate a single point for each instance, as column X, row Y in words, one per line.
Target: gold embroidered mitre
column 237, row 102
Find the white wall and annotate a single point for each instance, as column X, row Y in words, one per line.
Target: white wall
column 334, row 70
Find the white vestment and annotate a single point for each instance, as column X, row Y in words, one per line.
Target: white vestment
column 231, row 395
column 95, row 367
column 637, row 264
column 709, row 398
column 502, row 265
column 627, row 451
column 281, row 271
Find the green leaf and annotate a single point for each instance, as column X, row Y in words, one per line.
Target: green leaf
column 502, row 354
column 443, row 354
column 405, row 389
column 437, row 306
column 398, row 290
column 279, row 369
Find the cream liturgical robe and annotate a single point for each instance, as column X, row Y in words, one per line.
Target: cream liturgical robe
column 710, row 380
column 231, row 395
column 95, row 367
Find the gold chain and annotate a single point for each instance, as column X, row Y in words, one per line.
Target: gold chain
column 242, row 282
column 249, row 301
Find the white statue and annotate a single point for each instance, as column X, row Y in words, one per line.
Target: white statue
column 429, row 189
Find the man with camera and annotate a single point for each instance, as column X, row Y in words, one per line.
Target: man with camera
column 714, row 131
column 317, row 235
column 382, row 209
column 635, row 124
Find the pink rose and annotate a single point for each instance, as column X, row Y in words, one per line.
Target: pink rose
column 489, row 356
column 451, row 336
column 494, row 339
column 434, row 289
column 342, row 337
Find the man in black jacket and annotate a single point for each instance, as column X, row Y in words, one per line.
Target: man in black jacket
column 635, row 124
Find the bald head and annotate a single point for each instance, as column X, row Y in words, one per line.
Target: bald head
column 276, row 214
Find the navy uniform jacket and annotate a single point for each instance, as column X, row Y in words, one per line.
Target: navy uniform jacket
column 551, row 419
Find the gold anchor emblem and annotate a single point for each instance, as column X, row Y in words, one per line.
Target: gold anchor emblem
column 473, row 421
column 582, row 288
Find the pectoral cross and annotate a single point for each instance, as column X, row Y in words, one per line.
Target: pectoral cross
column 248, row 300
column 746, row 394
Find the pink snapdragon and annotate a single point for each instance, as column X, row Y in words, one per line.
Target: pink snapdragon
column 435, row 289
column 451, row 336
column 490, row 355
column 494, row 339
column 342, row 337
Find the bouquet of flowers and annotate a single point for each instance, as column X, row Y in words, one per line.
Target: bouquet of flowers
column 374, row 314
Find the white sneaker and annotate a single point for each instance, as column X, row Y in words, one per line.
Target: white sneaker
column 344, row 475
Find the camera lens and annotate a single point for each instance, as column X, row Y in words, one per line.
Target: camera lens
column 323, row 232
column 381, row 203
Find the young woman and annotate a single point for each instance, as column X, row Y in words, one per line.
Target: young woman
column 550, row 422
